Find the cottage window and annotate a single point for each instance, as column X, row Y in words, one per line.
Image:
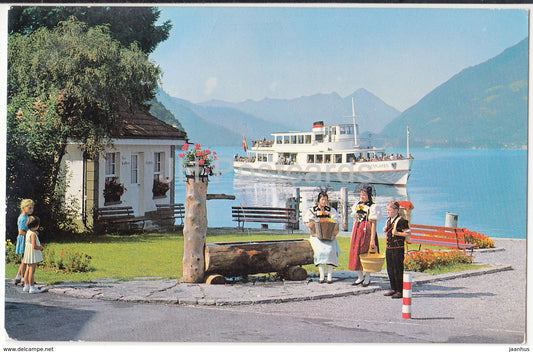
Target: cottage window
column 159, row 166
column 134, row 168
column 111, row 167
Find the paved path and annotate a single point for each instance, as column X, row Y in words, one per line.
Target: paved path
column 481, row 306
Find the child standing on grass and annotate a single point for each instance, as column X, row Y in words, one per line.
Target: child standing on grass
column 32, row 254
column 26, row 209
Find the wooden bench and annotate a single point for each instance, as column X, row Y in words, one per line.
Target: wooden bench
column 286, row 216
column 167, row 214
column 450, row 237
column 118, row 218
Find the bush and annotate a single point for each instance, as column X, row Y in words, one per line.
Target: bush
column 68, row 260
column 428, row 259
column 478, row 239
column 11, row 256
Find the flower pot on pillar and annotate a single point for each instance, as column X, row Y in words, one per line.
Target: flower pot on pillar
column 194, row 229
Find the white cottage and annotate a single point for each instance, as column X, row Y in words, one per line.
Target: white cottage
column 138, row 171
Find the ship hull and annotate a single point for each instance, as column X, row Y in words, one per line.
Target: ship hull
column 390, row 172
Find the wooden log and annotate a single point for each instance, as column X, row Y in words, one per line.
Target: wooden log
column 194, row 230
column 215, row 280
column 294, row 273
column 244, row 258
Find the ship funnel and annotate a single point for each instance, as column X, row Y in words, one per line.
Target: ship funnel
column 318, row 125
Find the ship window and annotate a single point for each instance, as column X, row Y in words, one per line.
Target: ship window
column 327, row 158
column 310, row 158
column 338, row 158
column 279, row 139
column 346, row 129
column 350, row 158
column 300, row 139
column 319, row 138
column 307, row 139
column 286, row 139
column 293, row 139
column 319, row 158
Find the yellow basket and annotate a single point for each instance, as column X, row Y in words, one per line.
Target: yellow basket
column 372, row 262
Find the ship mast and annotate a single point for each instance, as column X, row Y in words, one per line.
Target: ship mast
column 354, row 125
column 407, row 141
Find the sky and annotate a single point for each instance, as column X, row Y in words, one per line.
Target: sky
column 399, row 54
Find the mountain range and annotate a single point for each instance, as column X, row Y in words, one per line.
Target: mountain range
column 484, row 106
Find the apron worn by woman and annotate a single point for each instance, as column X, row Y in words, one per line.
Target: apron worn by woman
column 361, row 234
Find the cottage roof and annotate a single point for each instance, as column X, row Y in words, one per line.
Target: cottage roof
column 142, row 124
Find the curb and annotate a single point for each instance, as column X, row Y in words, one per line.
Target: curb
column 171, row 292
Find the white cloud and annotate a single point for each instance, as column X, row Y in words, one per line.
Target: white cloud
column 210, row 85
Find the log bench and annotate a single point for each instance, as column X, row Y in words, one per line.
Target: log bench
column 118, row 218
column 449, row 237
column 286, row 216
column 167, row 214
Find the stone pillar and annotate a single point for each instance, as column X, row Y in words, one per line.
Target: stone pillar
column 194, row 229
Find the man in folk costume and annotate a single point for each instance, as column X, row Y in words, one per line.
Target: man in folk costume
column 397, row 230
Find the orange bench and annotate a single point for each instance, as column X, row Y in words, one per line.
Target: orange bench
column 450, row 237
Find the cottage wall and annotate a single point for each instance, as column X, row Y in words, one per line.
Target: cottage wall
column 134, row 168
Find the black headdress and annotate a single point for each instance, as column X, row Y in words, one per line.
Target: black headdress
column 369, row 190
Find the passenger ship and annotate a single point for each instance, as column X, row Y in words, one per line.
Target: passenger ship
column 328, row 153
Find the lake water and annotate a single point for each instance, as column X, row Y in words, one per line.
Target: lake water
column 487, row 189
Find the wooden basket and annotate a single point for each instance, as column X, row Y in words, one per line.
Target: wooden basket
column 325, row 230
column 372, row 262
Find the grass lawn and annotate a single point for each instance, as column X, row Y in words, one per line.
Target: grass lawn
column 150, row 255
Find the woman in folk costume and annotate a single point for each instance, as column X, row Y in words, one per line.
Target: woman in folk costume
column 364, row 235
column 326, row 253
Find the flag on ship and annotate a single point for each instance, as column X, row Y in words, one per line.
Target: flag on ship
column 244, row 146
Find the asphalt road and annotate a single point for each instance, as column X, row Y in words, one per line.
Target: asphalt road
column 488, row 309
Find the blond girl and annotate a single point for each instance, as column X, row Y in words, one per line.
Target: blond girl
column 26, row 209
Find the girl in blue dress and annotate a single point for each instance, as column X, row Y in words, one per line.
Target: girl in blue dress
column 26, row 209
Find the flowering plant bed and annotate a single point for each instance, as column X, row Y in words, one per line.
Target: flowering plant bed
column 407, row 205
column 428, row 259
column 479, row 239
column 198, row 162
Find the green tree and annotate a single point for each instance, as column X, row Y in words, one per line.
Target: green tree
column 126, row 24
column 66, row 84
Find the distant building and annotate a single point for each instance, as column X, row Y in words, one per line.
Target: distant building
column 138, row 171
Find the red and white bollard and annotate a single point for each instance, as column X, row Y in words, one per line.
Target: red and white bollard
column 407, row 289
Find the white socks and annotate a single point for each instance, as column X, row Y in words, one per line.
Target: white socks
column 321, row 272
column 359, row 276
column 330, row 271
column 367, row 279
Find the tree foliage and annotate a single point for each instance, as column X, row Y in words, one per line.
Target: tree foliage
column 65, row 84
column 126, row 24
